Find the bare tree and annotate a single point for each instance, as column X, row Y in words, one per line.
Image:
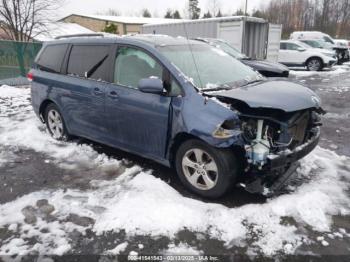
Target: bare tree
column 214, row 6
column 111, row 12
column 329, row 16
column 22, row 20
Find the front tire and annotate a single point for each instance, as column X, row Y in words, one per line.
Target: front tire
column 205, row 170
column 314, row 64
column 55, row 123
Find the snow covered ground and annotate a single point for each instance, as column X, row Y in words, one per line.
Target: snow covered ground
column 138, row 204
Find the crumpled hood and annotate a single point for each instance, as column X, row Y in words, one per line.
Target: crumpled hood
column 263, row 65
column 276, row 94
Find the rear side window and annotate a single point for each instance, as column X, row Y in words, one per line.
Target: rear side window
column 89, row 61
column 51, row 58
column 283, row 46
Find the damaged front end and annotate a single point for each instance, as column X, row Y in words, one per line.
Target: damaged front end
column 276, row 142
column 274, row 139
column 274, row 145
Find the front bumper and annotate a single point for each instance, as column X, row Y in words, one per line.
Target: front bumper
column 331, row 63
column 288, row 157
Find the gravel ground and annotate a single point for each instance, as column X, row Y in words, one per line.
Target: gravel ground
column 49, row 184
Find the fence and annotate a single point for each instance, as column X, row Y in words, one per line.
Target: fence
column 16, row 58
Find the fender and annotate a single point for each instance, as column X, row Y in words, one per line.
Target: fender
column 199, row 116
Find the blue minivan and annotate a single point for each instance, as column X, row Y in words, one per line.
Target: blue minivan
column 180, row 102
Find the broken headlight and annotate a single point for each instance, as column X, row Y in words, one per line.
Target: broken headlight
column 227, row 129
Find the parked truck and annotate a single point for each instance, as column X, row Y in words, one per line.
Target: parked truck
column 254, row 37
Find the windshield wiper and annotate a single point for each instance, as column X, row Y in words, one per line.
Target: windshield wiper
column 253, row 81
column 218, row 88
column 95, row 67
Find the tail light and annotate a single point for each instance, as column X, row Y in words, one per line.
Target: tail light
column 30, row 77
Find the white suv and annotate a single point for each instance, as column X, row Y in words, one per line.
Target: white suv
column 297, row 54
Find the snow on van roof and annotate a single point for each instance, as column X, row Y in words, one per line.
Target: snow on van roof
column 60, row 29
column 128, row 19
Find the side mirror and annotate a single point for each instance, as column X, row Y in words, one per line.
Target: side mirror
column 151, row 85
column 300, row 49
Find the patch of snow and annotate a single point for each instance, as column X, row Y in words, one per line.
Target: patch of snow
column 320, row 238
column 219, row 51
column 128, row 199
column 325, row 243
column 55, row 29
column 210, row 86
column 334, row 71
column 20, row 127
column 134, row 19
column 220, row 103
column 119, row 248
column 125, row 202
column 182, row 249
column 337, row 116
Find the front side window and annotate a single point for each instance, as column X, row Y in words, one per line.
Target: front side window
column 132, row 65
column 89, row 61
column 291, row 46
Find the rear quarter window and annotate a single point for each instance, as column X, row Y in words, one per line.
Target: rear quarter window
column 51, row 58
column 283, row 46
column 89, row 61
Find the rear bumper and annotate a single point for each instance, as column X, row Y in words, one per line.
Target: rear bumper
column 286, row 158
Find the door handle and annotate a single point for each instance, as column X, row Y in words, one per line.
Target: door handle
column 113, row 95
column 97, row 91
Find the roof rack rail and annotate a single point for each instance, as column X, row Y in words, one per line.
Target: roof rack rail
column 78, row 35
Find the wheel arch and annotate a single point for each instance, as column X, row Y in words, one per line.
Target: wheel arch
column 43, row 107
column 180, row 138
column 176, row 142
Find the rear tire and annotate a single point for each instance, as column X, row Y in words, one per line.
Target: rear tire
column 205, row 170
column 314, row 64
column 55, row 123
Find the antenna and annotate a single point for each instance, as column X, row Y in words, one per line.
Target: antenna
column 194, row 60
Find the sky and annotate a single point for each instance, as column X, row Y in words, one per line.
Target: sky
column 157, row 7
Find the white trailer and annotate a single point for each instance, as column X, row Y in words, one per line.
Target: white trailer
column 253, row 36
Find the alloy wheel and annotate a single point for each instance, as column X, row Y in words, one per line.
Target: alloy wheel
column 314, row 65
column 55, row 124
column 200, row 169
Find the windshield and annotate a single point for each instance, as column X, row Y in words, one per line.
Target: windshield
column 328, row 40
column 209, row 67
column 228, row 49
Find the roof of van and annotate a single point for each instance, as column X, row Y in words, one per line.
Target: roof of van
column 154, row 40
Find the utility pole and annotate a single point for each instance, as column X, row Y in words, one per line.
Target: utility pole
column 246, row 7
